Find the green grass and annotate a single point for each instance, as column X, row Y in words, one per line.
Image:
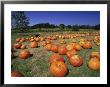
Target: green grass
column 37, row 65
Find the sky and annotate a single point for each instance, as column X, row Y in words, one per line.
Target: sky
column 64, row 17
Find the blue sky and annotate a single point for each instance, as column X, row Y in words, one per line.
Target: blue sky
column 64, row 17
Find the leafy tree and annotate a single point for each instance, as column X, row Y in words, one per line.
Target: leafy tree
column 61, row 26
column 75, row 27
column 69, row 26
column 21, row 21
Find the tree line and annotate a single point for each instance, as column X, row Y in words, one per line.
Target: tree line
column 21, row 21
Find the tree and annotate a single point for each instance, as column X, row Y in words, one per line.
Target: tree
column 69, row 26
column 97, row 27
column 21, row 21
column 61, row 26
column 75, row 27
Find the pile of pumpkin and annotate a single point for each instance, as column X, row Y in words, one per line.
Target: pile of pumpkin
column 58, row 67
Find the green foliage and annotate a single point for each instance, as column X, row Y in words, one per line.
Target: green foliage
column 19, row 20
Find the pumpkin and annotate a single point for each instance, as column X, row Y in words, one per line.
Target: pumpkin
column 69, row 47
column 77, row 47
column 24, row 54
column 87, row 45
column 17, row 45
column 81, row 43
column 54, row 48
column 48, row 47
column 70, row 53
column 33, row 44
column 55, row 57
column 48, row 41
column 16, row 74
column 23, row 46
column 37, row 39
column 58, row 69
column 76, row 60
column 95, row 54
column 43, row 43
column 94, row 64
column 62, row 50
column 62, row 41
column 18, row 39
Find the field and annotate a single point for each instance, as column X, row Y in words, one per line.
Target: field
column 37, row 65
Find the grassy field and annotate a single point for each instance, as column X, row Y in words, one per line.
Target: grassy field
column 37, row 65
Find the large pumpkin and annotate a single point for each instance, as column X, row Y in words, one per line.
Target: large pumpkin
column 16, row 74
column 95, row 54
column 33, row 44
column 94, row 64
column 70, row 53
column 58, row 69
column 62, row 50
column 54, row 48
column 55, row 57
column 76, row 60
column 17, row 45
column 24, row 54
column 48, row 47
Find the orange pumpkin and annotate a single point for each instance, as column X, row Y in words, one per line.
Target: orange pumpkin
column 54, row 48
column 55, row 57
column 23, row 46
column 16, row 74
column 95, row 54
column 62, row 50
column 77, row 47
column 94, row 64
column 37, row 39
column 58, row 69
column 87, row 45
column 24, row 54
column 48, row 47
column 17, row 45
column 18, row 39
column 76, row 60
column 70, row 53
column 69, row 47
column 33, row 44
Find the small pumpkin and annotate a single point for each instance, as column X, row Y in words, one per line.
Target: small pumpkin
column 17, row 45
column 77, row 47
column 54, row 48
column 16, row 74
column 24, row 54
column 58, row 69
column 87, row 45
column 94, row 64
column 48, row 47
column 95, row 54
column 18, row 39
column 23, row 47
column 33, row 44
column 62, row 50
column 55, row 57
column 69, row 47
column 70, row 53
column 76, row 60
